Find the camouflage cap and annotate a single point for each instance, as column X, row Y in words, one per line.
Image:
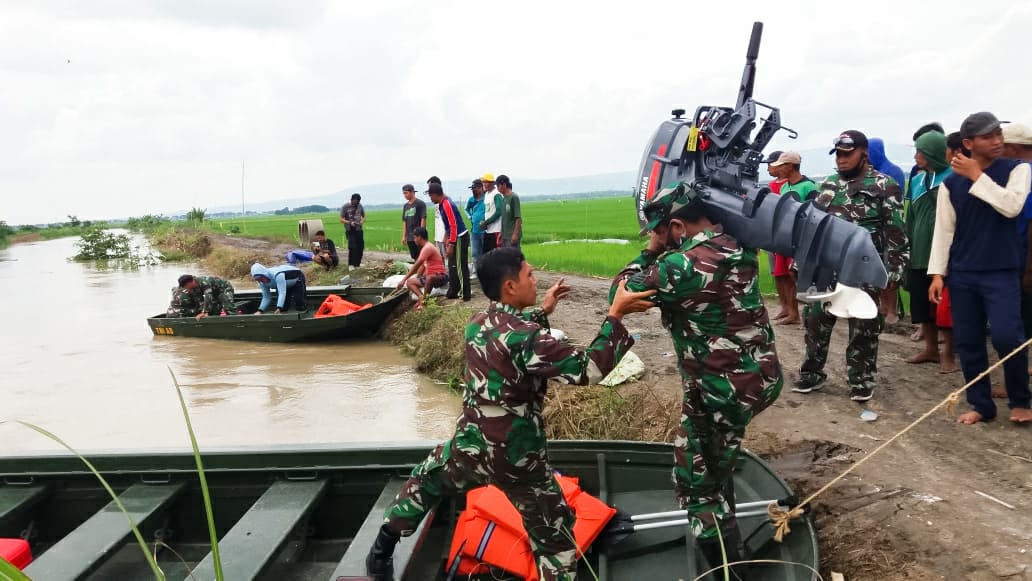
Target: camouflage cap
column 667, row 201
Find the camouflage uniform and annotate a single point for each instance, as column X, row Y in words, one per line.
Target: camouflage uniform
column 212, row 295
column 872, row 201
column 709, row 297
column 500, row 436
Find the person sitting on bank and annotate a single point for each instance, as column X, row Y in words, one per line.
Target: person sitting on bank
column 428, row 272
column 289, row 282
column 324, row 252
column 200, row 296
column 500, row 435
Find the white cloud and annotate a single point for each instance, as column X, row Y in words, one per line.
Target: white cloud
column 162, row 100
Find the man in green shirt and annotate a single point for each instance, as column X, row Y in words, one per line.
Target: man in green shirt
column 512, row 217
column 800, row 187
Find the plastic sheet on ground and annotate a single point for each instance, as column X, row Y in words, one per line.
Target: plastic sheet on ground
column 630, row 367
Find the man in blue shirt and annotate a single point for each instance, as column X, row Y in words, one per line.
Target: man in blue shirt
column 475, row 212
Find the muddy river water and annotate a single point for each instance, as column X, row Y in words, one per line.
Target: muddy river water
column 77, row 358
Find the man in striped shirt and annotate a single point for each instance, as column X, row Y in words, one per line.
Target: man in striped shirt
column 456, row 239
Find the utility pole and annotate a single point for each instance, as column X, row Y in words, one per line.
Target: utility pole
column 243, row 210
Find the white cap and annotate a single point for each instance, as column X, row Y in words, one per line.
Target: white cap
column 1017, row 134
column 788, row 157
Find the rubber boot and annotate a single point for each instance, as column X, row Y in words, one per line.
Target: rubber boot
column 379, row 562
column 733, row 547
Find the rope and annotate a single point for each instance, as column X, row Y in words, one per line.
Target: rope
column 780, row 517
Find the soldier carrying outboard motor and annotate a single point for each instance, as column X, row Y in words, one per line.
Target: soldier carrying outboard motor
column 699, row 200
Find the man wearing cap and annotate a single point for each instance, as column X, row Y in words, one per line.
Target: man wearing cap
column 976, row 244
column 924, row 189
column 709, row 296
column 413, row 215
column 353, row 216
column 775, row 186
column 1017, row 144
column 475, row 213
column 494, row 204
column 859, row 194
column 512, row 215
column 456, row 239
column 800, row 187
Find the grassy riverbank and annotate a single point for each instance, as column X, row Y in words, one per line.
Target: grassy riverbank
column 560, row 235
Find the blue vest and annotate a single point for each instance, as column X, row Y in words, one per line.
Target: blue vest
column 984, row 239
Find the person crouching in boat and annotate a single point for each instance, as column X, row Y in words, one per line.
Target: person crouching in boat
column 289, row 282
column 500, row 436
column 200, row 296
column 709, row 296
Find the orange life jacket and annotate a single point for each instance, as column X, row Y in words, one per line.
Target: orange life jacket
column 16, row 552
column 490, row 531
column 335, row 306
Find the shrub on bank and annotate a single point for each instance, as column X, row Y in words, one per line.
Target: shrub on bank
column 435, row 337
column 227, row 262
column 183, row 241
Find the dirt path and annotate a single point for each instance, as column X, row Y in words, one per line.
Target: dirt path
column 912, row 512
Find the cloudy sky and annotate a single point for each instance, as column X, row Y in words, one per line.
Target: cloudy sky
column 119, row 108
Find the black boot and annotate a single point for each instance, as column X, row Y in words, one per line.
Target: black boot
column 379, row 563
column 733, row 548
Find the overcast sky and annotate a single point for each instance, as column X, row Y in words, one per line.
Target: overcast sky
column 112, row 108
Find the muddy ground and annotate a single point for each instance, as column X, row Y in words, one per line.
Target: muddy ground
column 912, row 511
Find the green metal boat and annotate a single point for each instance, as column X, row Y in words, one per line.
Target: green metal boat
column 291, row 326
column 311, row 513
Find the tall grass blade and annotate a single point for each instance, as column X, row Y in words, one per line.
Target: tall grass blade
column 9, row 572
column 204, row 482
column 158, row 574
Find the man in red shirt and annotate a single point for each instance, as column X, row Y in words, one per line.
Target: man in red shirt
column 428, row 272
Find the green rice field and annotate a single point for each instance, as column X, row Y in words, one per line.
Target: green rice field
column 575, row 224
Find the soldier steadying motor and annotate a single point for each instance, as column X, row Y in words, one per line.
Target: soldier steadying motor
column 709, row 294
column 200, row 296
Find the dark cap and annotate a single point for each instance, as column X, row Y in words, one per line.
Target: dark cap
column 408, row 188
column 185, row 279
column 435, row 188
column 774, row 155
column 433, row 180
column 979, row 124
column 928, row 127
column 356, row 197
column 848, row 141
column 476, row 182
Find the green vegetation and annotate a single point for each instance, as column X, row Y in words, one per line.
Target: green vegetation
column 5, row 234
column 578, row 219
column 437, row 357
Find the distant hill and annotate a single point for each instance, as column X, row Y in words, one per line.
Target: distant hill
column 390, row 193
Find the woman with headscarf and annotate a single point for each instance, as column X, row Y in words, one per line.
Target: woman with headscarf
column 876, row 155
column 920, row 224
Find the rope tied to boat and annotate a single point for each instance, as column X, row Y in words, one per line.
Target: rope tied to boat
column 780, row 517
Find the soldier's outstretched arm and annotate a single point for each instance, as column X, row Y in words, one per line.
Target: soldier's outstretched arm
column 550, row 358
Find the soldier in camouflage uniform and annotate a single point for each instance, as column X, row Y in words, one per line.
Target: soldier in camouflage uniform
column 200, row 296
column 709, row 296
column 500, row 436
column 859, row 194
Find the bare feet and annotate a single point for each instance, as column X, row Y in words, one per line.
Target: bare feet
column 970, row 418
column 917, row 336
column 891, row 320
column 789, row 321
column 998, row 392
column 1021, row 415
column 948, row 366
column 781, row 315
column 924, row 357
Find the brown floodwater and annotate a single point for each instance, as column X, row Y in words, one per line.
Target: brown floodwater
column 79, row 360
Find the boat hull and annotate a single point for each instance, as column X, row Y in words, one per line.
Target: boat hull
column 354, row 482
column 290, row 326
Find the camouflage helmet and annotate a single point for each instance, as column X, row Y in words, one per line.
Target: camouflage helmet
column 667, row 201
